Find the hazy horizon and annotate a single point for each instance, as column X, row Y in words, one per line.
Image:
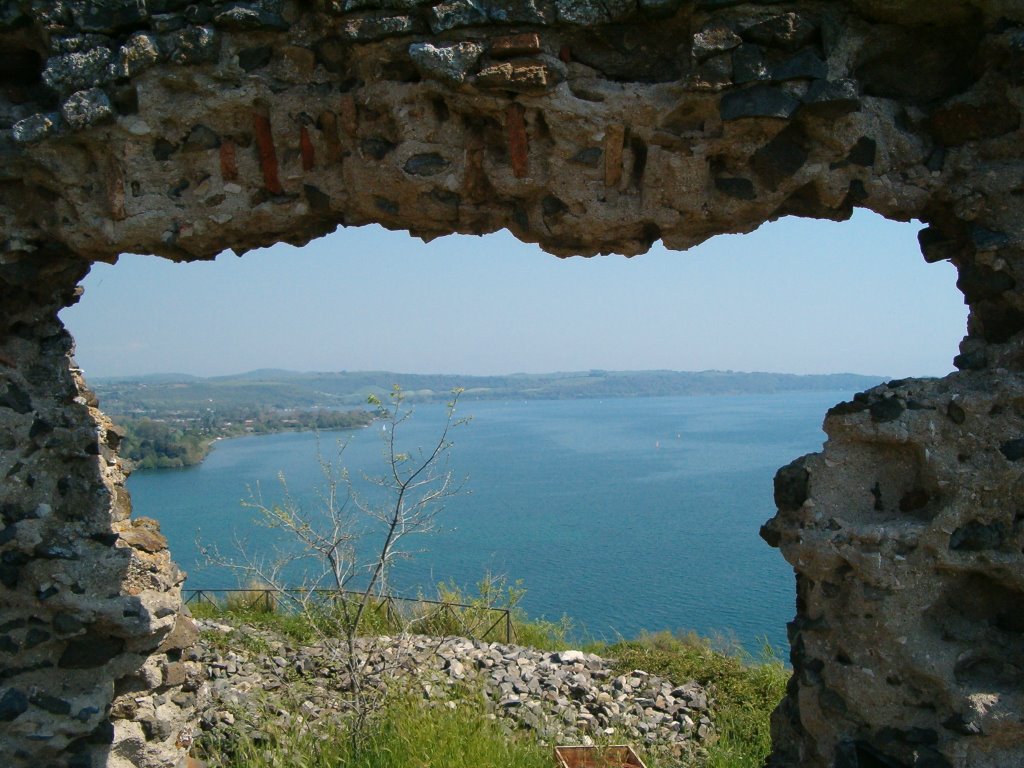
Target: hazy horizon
column 508, row 374
column 799, row 296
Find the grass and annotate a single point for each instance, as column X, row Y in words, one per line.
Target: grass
column 405, row 734
column 453, row 613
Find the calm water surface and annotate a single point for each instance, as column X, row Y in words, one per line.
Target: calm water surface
column 625, row 514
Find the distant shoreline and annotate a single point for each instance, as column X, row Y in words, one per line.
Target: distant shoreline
column 346, row 389
column 161, row 440
column 172, row 421
column 212, row 443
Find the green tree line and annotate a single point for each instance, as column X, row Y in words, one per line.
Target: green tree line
column 180, row 440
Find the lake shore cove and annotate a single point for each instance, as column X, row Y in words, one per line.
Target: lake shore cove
column 259, row 683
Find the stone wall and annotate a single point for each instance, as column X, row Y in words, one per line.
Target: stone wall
column 89, row 596
column 907, row 533
column 159, row 126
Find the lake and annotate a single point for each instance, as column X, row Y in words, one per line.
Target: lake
column 624, row 514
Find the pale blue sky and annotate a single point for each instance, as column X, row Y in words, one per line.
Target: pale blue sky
column 799, row 296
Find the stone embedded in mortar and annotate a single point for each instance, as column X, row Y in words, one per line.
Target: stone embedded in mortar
column 1013, row 449
column 447, row 63
column 735, row 186
column 248, row 16
column 347, row 6
column 76, row 71
column 806, row 65
column 588, row 156
column 790, row 30
column 378, row 26
column 85, row 108
column 108, row 16
column 759, row 101
column 426, row 164
column 144, row 534
column 518, row 76
column 194, row 45
column 589, row 13
column 713, row 40
column 749, row 65
column 832, row 98
column 139, row 53
column 521, row 11
column 455, row 14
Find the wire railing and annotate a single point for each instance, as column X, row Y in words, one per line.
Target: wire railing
column 386, row 612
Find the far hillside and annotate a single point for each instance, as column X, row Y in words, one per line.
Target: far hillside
column 289, row 390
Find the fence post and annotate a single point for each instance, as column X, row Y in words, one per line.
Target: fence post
column 508, row 626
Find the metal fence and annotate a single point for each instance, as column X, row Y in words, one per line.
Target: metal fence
column 421, row 614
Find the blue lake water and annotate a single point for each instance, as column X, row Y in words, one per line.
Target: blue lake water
column 624, row 514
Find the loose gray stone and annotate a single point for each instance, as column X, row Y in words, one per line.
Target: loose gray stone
column 569, row 657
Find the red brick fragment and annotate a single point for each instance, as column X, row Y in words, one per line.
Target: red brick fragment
column 306, row 148
column 267, row 153
column 347, row 116
column 614, row 138
column 228, row 164
column 508, row 46
column 476, row 187
column 115, row 190
column 565, row 54
column 518, row 146
column 327, row 122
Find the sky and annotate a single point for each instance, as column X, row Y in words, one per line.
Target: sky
column 796, row 296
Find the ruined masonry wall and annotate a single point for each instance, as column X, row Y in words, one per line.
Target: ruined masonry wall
column 181, row 129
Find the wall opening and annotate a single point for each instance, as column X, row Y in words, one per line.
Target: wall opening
column 798, row 296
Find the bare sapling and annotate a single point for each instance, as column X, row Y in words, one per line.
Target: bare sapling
column 344, row 546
